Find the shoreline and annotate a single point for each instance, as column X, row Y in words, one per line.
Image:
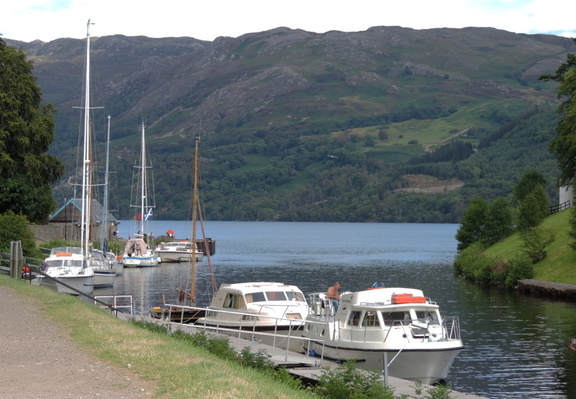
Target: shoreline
column 547, row 289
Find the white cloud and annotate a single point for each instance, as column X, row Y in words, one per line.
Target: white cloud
column 47, row 20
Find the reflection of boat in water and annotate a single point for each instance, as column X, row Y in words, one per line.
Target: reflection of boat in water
column 398, row 326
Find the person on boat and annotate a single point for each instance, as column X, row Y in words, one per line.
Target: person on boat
column 334, row 296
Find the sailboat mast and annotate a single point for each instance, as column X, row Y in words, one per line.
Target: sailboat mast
column 86, row 200
column 104, row 236
column 143, row 188
column 194, row 217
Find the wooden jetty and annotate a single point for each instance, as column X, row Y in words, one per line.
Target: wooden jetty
column 299, row 365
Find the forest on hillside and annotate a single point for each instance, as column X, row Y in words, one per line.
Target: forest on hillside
column 322, row 177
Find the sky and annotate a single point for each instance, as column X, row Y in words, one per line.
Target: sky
column 46, row 20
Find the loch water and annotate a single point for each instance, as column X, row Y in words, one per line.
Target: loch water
column 515, row 346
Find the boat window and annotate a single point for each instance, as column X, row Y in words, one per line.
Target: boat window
column 255, row 297
column 275, row 295
column 354, row 319
column 391, row 318
column 370, row 319
column 427, row 316
column 233, row 301
column 295, row 296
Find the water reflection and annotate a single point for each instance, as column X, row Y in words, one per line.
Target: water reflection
column 516, row 346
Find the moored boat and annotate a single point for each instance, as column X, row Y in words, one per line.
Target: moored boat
column 69, row 268
column 178, row 251
column 258, row 306
column 104, row 272
column 137, row 253
column 397, row 328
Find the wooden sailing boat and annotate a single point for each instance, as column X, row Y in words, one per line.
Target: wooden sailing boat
column 189, row 314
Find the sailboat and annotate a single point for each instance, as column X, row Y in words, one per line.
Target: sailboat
column 70, row 267
column 189, row 314
column 138, row 252
column 105, row 272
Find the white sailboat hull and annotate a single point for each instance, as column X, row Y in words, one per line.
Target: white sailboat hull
column 104, row 278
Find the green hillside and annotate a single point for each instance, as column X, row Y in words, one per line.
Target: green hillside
column 560, row 264
column 387, row 125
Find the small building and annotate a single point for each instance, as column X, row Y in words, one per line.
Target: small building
column 64, row 224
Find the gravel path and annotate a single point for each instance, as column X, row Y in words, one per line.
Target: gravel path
column 39, row 360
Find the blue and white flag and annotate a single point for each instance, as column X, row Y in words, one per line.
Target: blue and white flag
column 148, row 214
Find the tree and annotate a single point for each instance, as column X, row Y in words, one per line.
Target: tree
column 16, row 228
column 499, row 222
column 563, row 146
column 472, row 223
column 26, row 132
column 533, row 209
column 527, row 185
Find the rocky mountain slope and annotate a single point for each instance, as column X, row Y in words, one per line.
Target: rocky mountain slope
column 406, row 90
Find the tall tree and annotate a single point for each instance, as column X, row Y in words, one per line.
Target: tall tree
column 527, row 185
column 26, row 132
column 473, row 222
column 563, row 146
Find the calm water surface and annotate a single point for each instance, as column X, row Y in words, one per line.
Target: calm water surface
column 516, row 346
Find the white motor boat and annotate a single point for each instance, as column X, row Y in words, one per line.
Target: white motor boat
column 398, row 327
column 104, row 272
column 71, row 270
column 257, row 306
column 178, row 251
column 138, row 254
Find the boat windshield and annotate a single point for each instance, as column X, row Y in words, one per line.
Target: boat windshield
column 64, row 262
column 427, row 316
column 295, row 296
column 276, row 296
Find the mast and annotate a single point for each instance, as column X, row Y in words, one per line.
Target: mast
column 194, row 217
column 86, row 166
column 143, row 185
column 104, row 230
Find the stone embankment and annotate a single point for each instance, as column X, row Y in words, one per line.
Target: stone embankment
column 548, row 289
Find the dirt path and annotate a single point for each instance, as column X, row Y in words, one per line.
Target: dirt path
column 38, row 360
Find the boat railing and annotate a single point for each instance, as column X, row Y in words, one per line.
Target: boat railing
column 283, row 333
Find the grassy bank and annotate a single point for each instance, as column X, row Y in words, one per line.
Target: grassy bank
column 559, row 265
column 177, row 369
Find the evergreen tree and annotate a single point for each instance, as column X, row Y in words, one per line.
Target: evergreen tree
column 473, row 222
column 527, row 185
column 26, row 132
column 533, row 209
column 499, row 223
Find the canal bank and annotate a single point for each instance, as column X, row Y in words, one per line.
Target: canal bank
column 548, row 289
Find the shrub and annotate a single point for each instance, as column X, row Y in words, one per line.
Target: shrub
column 346, row 381
column 535, row 242
column 519, row 268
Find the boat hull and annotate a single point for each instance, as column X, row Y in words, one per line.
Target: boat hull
column 174, row 257
column 419, row 365
column 134, row 261
column 71, row 285
column 104, row 278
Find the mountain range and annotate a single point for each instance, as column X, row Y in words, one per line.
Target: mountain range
column 387, row 125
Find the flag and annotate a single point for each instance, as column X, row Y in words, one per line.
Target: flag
column 148, row 214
